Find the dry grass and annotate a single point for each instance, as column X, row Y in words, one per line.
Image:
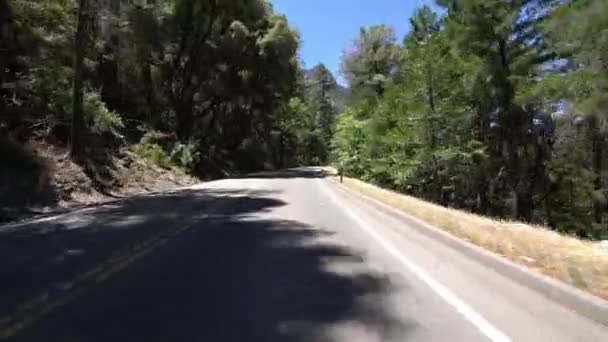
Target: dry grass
column 576, row 262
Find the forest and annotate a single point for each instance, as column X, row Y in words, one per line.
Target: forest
column 496, row 107
column 212, row 85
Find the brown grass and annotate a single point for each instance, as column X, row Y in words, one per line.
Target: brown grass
column 576, row 262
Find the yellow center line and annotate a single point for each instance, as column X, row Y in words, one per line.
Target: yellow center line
column 30, row 311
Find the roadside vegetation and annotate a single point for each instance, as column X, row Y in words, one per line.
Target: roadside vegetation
column 204, row 87
column 496, row 107
column 580, row 263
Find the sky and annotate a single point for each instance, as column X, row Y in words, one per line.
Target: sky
column 327, row 27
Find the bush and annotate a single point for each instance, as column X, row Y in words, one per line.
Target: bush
column 50, row 88
column 158, row 138
column 100, row 120
column 153, row 153
column 184, row 155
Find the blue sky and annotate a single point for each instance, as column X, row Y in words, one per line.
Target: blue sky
column 328, row 26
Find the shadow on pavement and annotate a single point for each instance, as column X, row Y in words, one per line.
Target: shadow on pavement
column 25, row 181
column 229, row 276
column 303, row 172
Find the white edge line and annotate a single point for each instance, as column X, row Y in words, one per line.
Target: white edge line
column 464, row 309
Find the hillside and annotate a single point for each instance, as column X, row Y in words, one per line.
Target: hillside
column 100, row 98
column 38, row 177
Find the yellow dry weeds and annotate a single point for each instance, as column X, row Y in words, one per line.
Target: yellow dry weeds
column 576, row 262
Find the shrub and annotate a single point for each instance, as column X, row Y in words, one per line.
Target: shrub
column 158, row 138
column 184, row 155
column 153, row 153
column 99, row 118
column 50, row 88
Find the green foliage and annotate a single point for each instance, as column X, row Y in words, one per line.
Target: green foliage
column 214, row 76
column 321, row 99
column 372, row 61
column 100, row 119
column 50, row 89
column 184, row 155
column 499, row 107
column 157, row 137
column 154, row 154
column 349, row 142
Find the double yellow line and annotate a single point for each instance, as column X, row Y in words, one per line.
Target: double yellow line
column 32, row 310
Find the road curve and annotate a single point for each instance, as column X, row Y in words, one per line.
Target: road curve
column 286, row 256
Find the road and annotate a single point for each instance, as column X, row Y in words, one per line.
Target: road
column 286, row 256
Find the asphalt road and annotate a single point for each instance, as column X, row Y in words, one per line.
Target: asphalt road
column 285, row 256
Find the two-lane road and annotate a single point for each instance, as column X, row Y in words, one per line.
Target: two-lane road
column 282, row 256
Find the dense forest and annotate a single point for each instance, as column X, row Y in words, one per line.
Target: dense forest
column 498, row 107
column 212, row 85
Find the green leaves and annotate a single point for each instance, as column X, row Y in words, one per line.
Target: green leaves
column 497, row 106
column 101, row 120
column 215, row 74
column 468, row 121
column 372, row 61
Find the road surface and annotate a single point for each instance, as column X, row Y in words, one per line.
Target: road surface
column 286, row 256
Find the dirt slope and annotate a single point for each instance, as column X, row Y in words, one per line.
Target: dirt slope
column 38, row 178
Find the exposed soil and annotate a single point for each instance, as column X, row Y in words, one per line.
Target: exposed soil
column 40, row 178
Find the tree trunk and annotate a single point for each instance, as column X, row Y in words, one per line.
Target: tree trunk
column 547, row 203
column 146, row 71
column 525, row 186
column 482, row 200
column 281, row 151
column 431, row 87
column 5, row 48
column 571, row 199
column 10, row 67
column 598, row 206
column 542, row 154
column 525, row 205
column 78, row 82
column 184, row 113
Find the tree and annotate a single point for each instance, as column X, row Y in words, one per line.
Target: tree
column 437, row 107
column 35, row 48
column 215, row 75
column 78, row 83
column 8, row 72
column 573, row 178
column 506, row 39
column 321, row 95
column 349, row 143
column 499, row 107
column 6, row 38
column 578, row 31
column 372, row 61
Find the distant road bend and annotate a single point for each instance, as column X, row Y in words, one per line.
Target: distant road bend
column 285, row 256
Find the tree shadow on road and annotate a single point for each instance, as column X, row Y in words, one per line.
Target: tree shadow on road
column 25, row 181
column 304, row 172
column 229, row 276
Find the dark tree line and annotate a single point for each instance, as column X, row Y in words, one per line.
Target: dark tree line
column 208, row 83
